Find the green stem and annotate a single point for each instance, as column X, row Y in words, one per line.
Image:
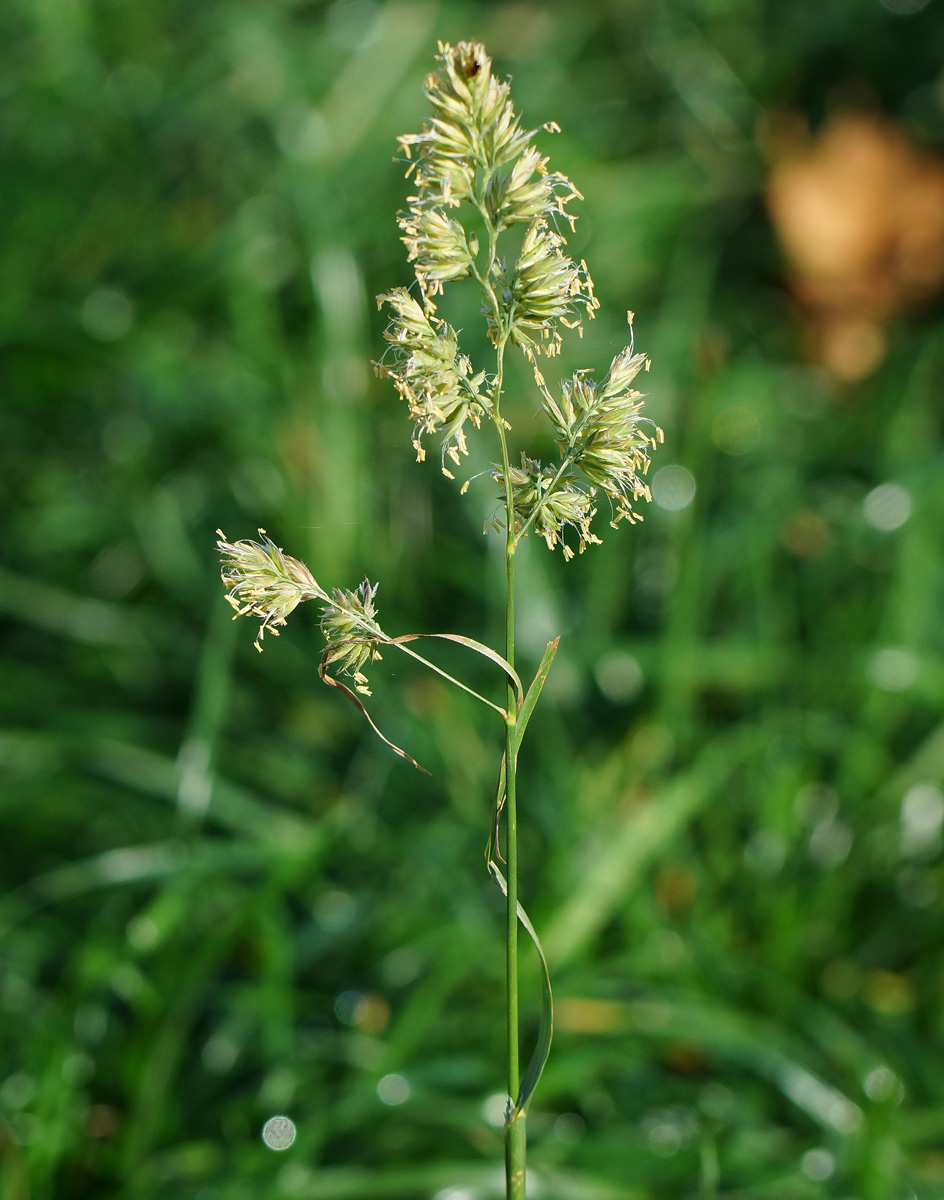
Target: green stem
column 515, row 1138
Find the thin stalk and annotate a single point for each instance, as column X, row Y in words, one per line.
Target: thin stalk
column 451, row 678
column 515, row 1136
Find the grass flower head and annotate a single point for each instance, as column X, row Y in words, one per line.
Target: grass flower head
column 352, row 633
column 263, row 580
column 428, row 371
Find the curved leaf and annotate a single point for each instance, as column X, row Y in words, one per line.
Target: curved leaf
column 470, row 644
column 542, row 1049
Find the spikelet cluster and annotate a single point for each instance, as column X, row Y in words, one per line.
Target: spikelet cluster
column 352, row 633
column 474, row 150
column 261, row 580
column 473, row 129
column 549, row 504
column 431, row 375
column 600, row 430
column 540, row 293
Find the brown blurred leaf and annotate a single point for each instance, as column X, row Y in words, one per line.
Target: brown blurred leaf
column 859, row 211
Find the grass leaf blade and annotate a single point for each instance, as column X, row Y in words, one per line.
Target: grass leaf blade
column 542, row 1048
column 534, row 691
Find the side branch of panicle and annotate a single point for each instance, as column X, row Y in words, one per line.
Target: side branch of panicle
column 542, row 291
column 601, row 431
column 261, row 580
column 550, row 502
column 350, row 628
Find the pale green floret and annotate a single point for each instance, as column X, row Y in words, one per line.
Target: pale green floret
column 352, row 634
column 544, row 288
column 431, row 375
column 437, row 244
column 263, row 580
column 623, row 370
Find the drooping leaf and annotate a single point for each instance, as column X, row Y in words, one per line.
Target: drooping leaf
column 542, row 1049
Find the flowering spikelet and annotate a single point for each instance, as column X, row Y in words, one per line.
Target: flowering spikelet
column 262, row 579
column 351, row 631
column 431, row 375
column 517, row 196
column 474, row 125
column 547, row 502
column 544, row 287
column 437, row 244
column 600, row 430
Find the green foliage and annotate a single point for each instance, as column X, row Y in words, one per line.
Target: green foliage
column 224, row 899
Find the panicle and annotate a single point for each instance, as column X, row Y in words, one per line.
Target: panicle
column 473, row 154
column 352, row 633
column 263, row 580
column 431, row 375
column 548, row 502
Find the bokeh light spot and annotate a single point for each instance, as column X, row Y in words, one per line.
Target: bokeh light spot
column 393, row 1090
column 278, row 1133
column 736, row 430
column 673, row 488
column 882, row 1085
column 494, row 1109
column 619, row 677
column 887, row 507
column 569, row 1128
column 106, row 314
column 817, row 1164
column 904, row 8
column 922, row 815
column 893, row 669
column 350, row 1008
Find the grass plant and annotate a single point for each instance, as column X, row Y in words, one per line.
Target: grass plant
column 217, row 883
column 474, row 166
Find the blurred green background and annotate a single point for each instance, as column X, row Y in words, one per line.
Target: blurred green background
column 223, row 898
